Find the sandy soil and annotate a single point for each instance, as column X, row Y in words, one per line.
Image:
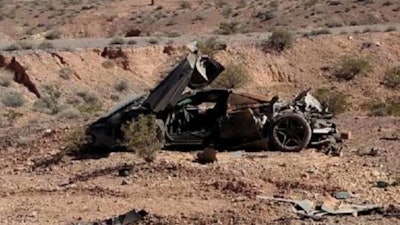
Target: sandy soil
column 176, row 190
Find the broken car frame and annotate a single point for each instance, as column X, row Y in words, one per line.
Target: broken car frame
column 220, row 118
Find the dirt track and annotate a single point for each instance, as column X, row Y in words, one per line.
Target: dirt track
column 175, row 190
column 93, row 43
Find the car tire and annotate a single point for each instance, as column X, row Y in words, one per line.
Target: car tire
column 290, row 132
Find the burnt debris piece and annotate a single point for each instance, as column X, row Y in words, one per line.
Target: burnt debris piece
column 221, row 118
column 129, row 218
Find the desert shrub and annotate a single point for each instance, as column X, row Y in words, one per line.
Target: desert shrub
column 121, row 85
column 280, row 40
column 117, row 41
column 25, row 45
column 76, row 141
column 12, row 99
column 226, row 11
column 132, row 42
column 152, row 41
column 13, row 47
column 211, row 46
column 69, row 113
column 185, row 5
column 49, row 102
column 351, row 66
column 108, row 64
column 336, row 101
column 387, row 3
column 390, row 29
column 53, row 34
column 91, row 102
column 320, row 32
column 227, row 28
column 390, row 106
column 6, row 77
column 234, row 76
column 142, row 137
column 392, row 77
column 66, row 73
column 45, row 45
column 12, row 115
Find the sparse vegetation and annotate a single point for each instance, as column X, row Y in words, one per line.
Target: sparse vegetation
column 390, row 106
column 121, row 85
column 211, row 46
column 320, row 32
column 91, row 102
column 227, row 28
column 49, row 103
column 185, row 5
column 25, row 45
column 45, row 45
column 12, row 47
column 143, row 137
column 53, row 34
column 12, row 99
column 234, row 76
column 390, row 29
column 351, row 66
column 279, row 40
column 77, row 141
column 66, row 73
column 391, row 78
column 69, row 113
column 6, row 78
column 11, row 116
column 117, row 41
column 152, row 41
column 336, row 101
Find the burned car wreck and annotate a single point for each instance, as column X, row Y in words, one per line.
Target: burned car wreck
column 220, row 118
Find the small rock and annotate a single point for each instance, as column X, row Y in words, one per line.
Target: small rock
column 208, row 155
column 125, row 182
column 375, row 173
column 382, row 184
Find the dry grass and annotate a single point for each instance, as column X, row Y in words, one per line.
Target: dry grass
column 234, row 76
column 351, row 66
column 336, row 101
column 12, row 99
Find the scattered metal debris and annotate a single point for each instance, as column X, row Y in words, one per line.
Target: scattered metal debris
column 330, row 206
column 129, row 218
column 221, row 118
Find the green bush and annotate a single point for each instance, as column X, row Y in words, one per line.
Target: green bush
column 234, row 76
column 280, row 40
column 143, row 137
column 211, row 46
column 12, row 99
column 351, row 66
column 77, row 141
column 336, row 101
column 392, row 77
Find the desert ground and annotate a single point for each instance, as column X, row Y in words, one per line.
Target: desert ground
column 63, row 64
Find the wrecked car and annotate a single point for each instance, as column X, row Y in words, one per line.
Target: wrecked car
column 220, row 118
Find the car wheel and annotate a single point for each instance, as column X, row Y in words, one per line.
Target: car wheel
column 291, row 132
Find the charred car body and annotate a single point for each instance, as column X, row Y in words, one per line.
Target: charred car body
column 220, row 118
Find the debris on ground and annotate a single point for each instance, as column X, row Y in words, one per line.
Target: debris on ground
column 343, row 195
column 208, row 155
column 382, row 184
column 128, row 218
column 330, row 206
